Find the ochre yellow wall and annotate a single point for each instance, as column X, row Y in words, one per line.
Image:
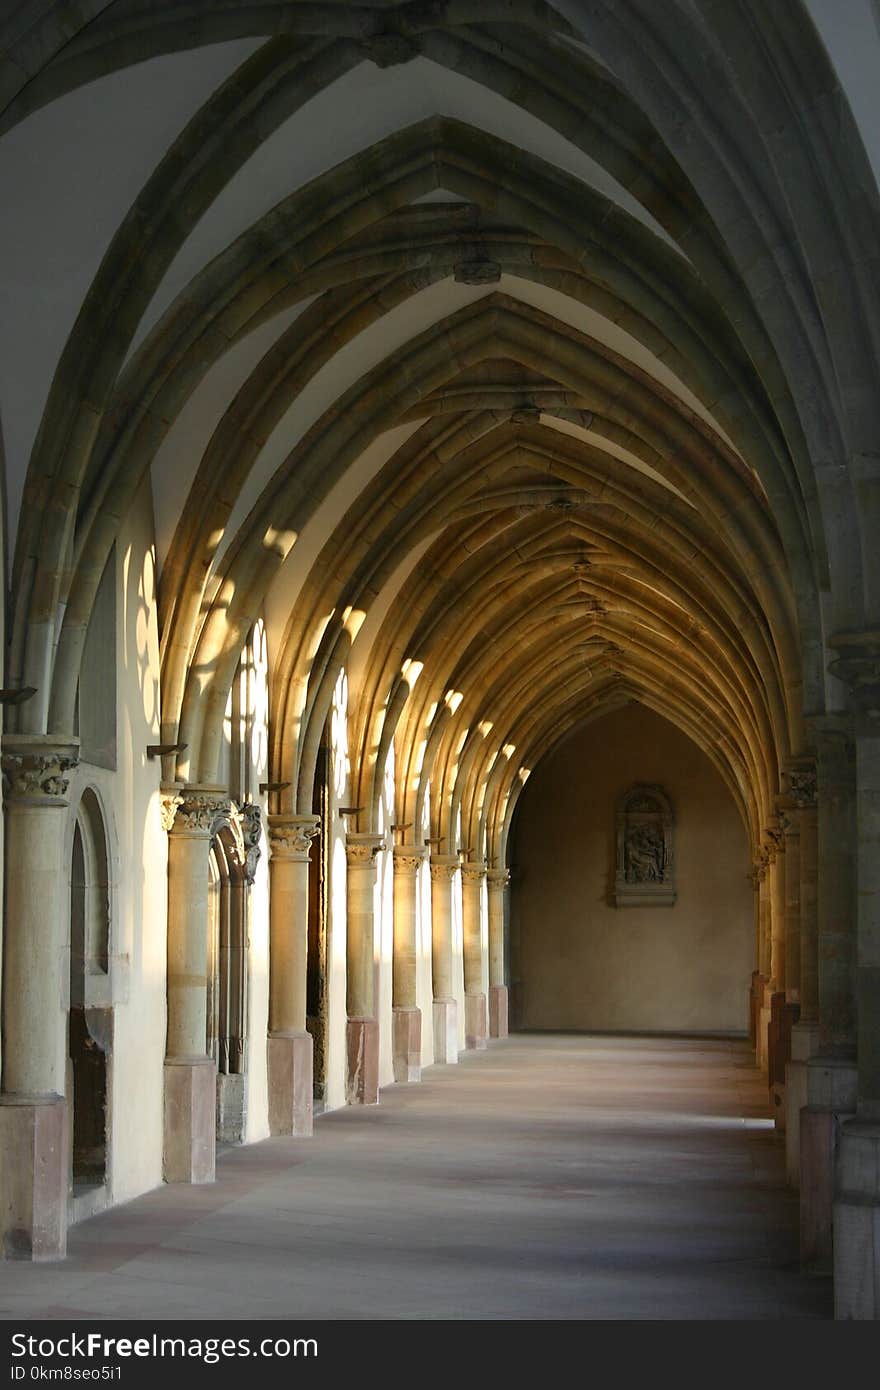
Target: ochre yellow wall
column 584, row 964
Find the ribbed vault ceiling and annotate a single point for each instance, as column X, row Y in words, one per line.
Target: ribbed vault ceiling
column 442, row 357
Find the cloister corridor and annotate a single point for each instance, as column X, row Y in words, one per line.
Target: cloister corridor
column 552, row 1176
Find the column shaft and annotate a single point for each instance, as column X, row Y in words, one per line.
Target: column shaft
column 408, row 859
column 475, row 956
column 407, row 1017
column 187, row 943
column 497, row 881
column 192, row 815
column 837, row 892
column 290, row 1047
column 34, row 1120
column 792, row 869
column 362, row 1033
column 444, row 870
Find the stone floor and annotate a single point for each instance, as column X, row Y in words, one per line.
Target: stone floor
column 552, row 1177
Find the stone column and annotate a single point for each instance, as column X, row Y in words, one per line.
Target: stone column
column 766, row 915
column 831, row 1072
column 756, row 987
column 857, row 1170
column 362, row 1031
column 475, row 963
column 192, row 815
column 444, row 868
column 34, row 1126
column 289, row 1044
column 774, row 990
column 406, row 1015
column 805, row 1032
column 785, row 1006
column 497, row 881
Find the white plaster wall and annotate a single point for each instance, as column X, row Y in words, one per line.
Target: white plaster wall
column 339, row 769
column 75, row 167
column 424, row 974
column 256, row 1080
column 383, row 926
column 585, row 964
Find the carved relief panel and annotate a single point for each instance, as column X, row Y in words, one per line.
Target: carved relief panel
column 645, row 874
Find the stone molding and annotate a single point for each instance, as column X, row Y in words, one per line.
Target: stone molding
column 290, row 837
column 362, row 848
column 408, row 859
column 250, row 827
column 35, row 768
column 444, row 866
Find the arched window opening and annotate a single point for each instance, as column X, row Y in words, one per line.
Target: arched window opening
column 90, row 1025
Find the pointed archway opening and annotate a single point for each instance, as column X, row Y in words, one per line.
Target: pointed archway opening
column 600, row 943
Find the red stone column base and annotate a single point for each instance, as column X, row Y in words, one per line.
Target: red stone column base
column 406, row 1044
column 34, row 1177
column 476, row 1030
column 190, row 1120
column 445, row 1013
column 290, row 1061
column 498, row 1011
column 362, row 1050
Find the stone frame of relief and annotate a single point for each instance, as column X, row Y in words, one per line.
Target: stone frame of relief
column 645, row 867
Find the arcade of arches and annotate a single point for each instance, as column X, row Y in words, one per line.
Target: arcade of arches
column 442, row 484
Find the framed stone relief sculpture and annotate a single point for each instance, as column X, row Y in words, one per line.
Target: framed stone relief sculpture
column 645, row 875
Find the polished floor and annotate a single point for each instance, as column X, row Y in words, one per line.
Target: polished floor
column 550, row 1177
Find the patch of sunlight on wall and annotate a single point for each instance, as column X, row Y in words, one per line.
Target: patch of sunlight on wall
column 279, row 542
column 260, row 700
column 339, row 739
column 411, row 670
column 453, row 699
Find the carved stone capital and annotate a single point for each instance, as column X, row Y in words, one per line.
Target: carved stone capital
column 290, row 837
column 444, row 867
column 200, row 811
column 473, row 872
column 498, row 878
column 361, row 849
column 858, row 666
column 408, row 859
column 35, row 768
